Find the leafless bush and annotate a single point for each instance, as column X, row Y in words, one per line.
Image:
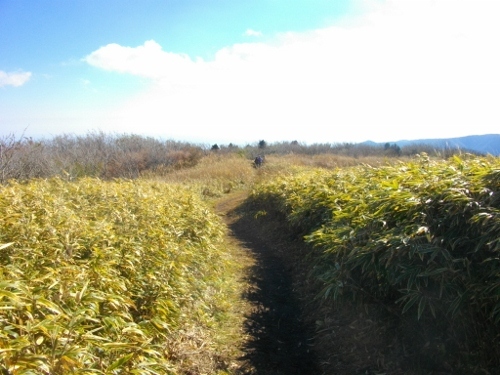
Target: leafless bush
column 95, row 154
column 20, row 159
column 8, row 148
column 353, row 150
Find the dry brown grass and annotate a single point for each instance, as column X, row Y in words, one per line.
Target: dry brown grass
column 213, row 176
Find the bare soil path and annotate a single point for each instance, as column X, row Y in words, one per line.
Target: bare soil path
column 289, row 331
column 279, row 342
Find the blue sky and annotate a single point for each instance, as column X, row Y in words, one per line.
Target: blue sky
column 240, row 71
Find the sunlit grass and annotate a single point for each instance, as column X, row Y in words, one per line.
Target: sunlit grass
column 111, row 276
column 213, row 176
column 139, row 274
column 420, row 237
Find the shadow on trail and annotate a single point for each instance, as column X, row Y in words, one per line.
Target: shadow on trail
column 279, row 341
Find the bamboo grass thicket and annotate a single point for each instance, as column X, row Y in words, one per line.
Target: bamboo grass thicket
column 107, row 277
column 422, row 237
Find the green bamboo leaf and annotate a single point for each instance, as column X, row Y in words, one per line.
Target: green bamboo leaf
column 12, row 296
column 421, row 306
column 6, row 245
column 134, row 330
column 49, row 305
column 432, row 308
column 120, row 362
column 410, row 302
column 79, row 295
column 435, row 272
column 455, row 305
column 118, row 345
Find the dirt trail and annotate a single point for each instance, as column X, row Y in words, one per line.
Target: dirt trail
column 278, row 340
column 290, row 331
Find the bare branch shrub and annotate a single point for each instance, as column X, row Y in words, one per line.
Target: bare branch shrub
column 353, row 150
column 21, row 159
column 95, row 154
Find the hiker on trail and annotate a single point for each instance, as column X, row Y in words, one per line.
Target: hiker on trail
column 258, row 161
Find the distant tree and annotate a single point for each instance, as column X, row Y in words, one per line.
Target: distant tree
column 262, row 144
column 215, row 147
column 392, row 149
column 295, row 143
column 397, row 149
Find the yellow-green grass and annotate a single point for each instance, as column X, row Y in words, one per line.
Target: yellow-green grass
column 420, row 237
column 214, row 175
column 111, row 278
column 327, row 161
column 220, row 173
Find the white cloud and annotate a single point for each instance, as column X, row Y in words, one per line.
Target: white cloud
column 15, row 79
column 250, row 32
column 148, row 60
column 402, row 69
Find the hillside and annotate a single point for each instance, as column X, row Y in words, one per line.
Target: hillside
column 204, row 263
column 483, row 144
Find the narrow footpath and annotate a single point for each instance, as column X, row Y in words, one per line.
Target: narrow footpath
column 278, row 340
column 288, row 330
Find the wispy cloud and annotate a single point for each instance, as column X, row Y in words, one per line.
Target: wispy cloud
column 15, row 79
column 412, row 66
column 250, row 32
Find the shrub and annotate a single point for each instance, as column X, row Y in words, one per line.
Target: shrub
column 107, row 277
column 419, row 237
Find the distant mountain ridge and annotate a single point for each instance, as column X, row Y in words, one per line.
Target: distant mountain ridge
column 484, row 144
